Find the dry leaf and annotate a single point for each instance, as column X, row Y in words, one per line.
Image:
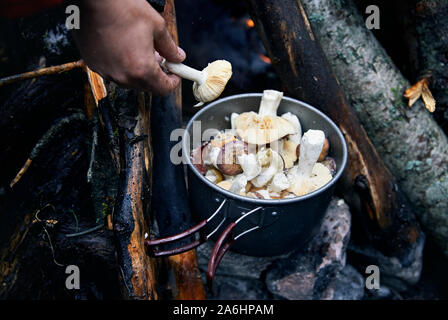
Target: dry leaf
column 414, row 92
column 420, row 89
column 428, row 99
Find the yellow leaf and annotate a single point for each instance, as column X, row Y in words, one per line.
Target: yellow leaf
column 428, row 99
column 421, row 89
column 414, row 92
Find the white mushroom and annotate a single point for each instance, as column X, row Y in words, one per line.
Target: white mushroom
column 310, row 149
column 288, row 152
column 296, row 123
column 211, row 157
column 263, row 193
column 269, row 103
column 208, row 83
column 233, row 117
column 266, row 126
column 271, row 163
column 225, row 184
column 279, row 183
column 213, row 176
column 320, row 176
column 239, row 184
column 289, row 147
column 250, row 165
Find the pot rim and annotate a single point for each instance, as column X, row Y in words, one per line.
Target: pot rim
column 264, row 202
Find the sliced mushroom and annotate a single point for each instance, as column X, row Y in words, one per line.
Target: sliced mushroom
column 292, row 141
column 320, row 176
column 208, row 83
column 214, row 176
column 233, row 117
column 310, row 149
column 227, row 160
column 262, row 194
column 250, row 165
column 239, row 184
column 225, row 184
column 288, row 152
column 221, row 139
column 295, row 138
column 271, row 163
column 266, row 126
column 279, row 183
column 197, row 158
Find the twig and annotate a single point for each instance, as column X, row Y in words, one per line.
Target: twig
column 46, row 231
column 71, row 235
column 44, row 141
column 21, row 172
column 42, row 72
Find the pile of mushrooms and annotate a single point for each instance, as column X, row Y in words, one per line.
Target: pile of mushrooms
column 266, row 156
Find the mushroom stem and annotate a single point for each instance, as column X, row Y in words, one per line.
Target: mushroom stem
column 310, row 149
column 270, row 102
column 186, row 72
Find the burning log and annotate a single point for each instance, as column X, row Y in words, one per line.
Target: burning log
column 367, row 184
column 408, row 139
column 138, row 271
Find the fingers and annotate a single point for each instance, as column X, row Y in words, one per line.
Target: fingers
column 164, row 83
column 153, row 78
column 165, row 45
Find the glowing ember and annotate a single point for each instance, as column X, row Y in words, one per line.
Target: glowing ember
column 264, row 58
column 250, row 23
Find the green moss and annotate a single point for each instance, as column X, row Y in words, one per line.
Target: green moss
column 413, row 165
column 316, row 18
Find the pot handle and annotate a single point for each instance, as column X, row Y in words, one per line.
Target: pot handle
column 199, row 228
column 223, row 244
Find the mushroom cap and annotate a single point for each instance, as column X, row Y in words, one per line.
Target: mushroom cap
column 256, row 129
column 288, row 152
column 218, row 74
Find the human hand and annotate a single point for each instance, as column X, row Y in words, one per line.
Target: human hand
column 119, row 39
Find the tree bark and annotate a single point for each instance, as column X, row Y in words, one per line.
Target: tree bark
column 366, row 184
column 138, row 271
column 169, row 193
column 412, row 145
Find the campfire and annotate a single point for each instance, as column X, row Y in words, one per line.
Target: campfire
column 89, row 183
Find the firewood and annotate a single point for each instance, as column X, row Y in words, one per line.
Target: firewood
column 169, row 200
column 42, row 72
column 367, row 185
column 408, row 139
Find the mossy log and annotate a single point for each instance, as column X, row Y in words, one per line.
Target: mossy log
column 412, row 145
column 366, row 184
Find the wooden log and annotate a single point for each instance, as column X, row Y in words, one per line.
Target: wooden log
column 367, row 185
column 130, row 221
column 432, row 42
column 48, row 204
column 138, row 271
column 169, row 201
column 411, row 143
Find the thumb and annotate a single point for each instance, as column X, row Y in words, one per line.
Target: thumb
column 165, row 45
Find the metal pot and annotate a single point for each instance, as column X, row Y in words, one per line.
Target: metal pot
column 256, row 227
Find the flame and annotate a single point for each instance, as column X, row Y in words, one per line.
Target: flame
column 250, row 23
column 265, row 59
